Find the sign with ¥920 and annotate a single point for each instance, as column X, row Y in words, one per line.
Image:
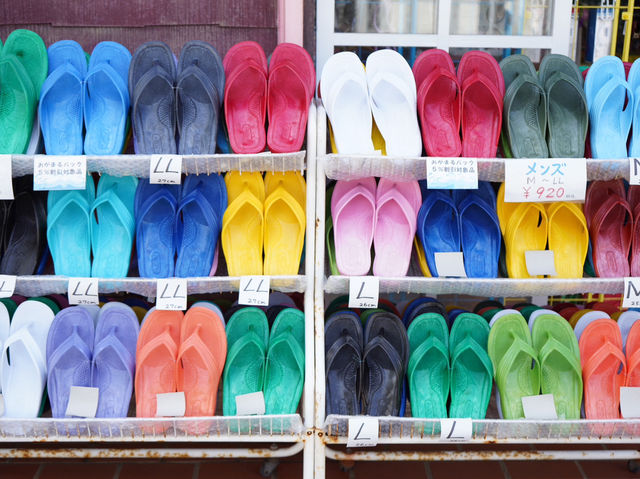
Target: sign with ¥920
column 545, row 179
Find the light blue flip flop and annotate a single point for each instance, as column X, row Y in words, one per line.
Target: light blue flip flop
column 634, row 83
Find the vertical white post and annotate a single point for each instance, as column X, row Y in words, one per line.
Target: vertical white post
column 325, row 28
column 561, row 26
column 444, row 23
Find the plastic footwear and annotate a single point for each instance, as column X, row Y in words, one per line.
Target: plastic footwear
column 17, row 105
column 625, row 322
column 525, row 231
column 610, row 233
column 633, row 80
column 504, row 210
column 29, row 49
column 568, row 238
column 598, row 192
column 632, row 345
column 515, row 66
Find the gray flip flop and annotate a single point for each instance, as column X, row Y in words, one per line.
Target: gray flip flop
column 554, row 62
column 514, row 66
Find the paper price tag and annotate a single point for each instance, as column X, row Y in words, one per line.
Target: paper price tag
column 452, row 173
column 250, row 404
column 630, row 402
column 539, row 407
column 452, row 430
column 634, row 171
column 450, row 264
column 52, row 172
column 171, row 294
column 631, row 294
column 1, row 405
column 83, row 291
column 171, row 404
column 364, row 292
column 83, row 402
column 545, row 179
column 540, row 262
column 363, row 431
column 7, row 285
column 254, row 290
column 165, row 169
column 6, row 185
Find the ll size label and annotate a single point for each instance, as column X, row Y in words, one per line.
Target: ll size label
column 254, row 290
column 545, row 179
column 364, row 292
column 53, row 172
column 165, row 169
column 171, row 294
column 83, row 291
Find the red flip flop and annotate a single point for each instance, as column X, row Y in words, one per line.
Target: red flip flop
column 431, row 60
column 298, row 57
column 610, row 232
column 633, row 196
column 635, row 243
column 598, row 192
column 481, row 62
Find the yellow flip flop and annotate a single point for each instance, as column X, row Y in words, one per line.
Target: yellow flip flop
column 568, row 238
column 504, row 210
column 526, row 231
column 242, row 223
column 376, row 137
column 422, row 259
column 575, row 317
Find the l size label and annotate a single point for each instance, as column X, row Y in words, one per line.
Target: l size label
column 631, row 294
column 7, row 286
column 452, row 173
column 6, row 184
column 83, row 291
column 254, row 290
column 545, row 179
column 172, row 294
column 52, row 172
column 165, row 169
column 364, row 292
column 363, row 432
column 456, row 429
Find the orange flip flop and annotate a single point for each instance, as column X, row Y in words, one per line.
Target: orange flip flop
column 156, row 353
column 201, row 358
column 604, row 369
column 633, row 356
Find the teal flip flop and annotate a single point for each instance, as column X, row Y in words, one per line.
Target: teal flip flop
column 291, row 321
column 284, row 374
column 29, row 49
column 247, row 320
column 17, row 106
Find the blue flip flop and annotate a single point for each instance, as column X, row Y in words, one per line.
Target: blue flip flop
column 112, row 232
column 60, row 108
column 634, row 83
column 198, row 223
column 106, row 99
column 155, row 213
column 438, row 227
column 484, row 191
column 68, row 227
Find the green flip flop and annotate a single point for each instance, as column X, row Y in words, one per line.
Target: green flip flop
column 284, row 374
column 328, row 226
column 11, row 306
column 428, row 370
column 515, row 363
column 559, row 357
column 17, row 106
column 471, row 368
column 289, row 321
column 338, row 304
column 247, row 320
column 487, row 315
column 527, row 310
column 29, row 49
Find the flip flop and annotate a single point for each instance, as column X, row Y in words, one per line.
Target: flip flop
column 539, row 312
column 106, row 99
column 17, row 106
column 397, row 205
column 568, row 238
column 485, row 192
column 625, row 321
column 438, row 227
column 586, row 319
column 560, row 371
column 471, row 368
column 604, row 369
column 113, row 230
column 598, row 192
column 633, row 79
column 610, row 232
column 632, row 345
column 114, row 358
column 487, row 303
column 525, row 231
column 422, row 306
column 499, row 313
column 515, row 66
column 634, row 265
column 243, row 223
column 60, row 107
column 156, row 353
column 429, row 61
column 203, row 199
column 504, row 210
column 29, row 49
column 422, row 259
column 284, row 222
column 353, row 212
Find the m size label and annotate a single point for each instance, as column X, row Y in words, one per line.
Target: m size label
column 172, row 294
column 254, row 290
column 165, row 169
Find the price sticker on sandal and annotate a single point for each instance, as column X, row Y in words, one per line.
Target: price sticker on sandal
column 363, row 432
column 545, row 179
column 6, row 185
column 172, row 294
column 7, row 285
column 53, row 172
column 364, row 291
column 165, row 169
column 83, row 291
column 631, row 295
column 254, row 290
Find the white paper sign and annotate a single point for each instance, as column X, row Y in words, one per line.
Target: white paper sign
column 363, row 431
column 540, row 262
column 450, row 264
column 250, row 404
column 56, row 172
column 171, row 404
column 6, row 185
column 83, row 291
column 545, row 179
column 539, row 407
column 1, row 405
column 364, row 292
column 456, row 429
column 83, row 402
column 630, row 402
column 254, row 290
column 165, row 169
column 452, row 173
column 634, row 171
column 631, row 294
column 7, row 285
column 171, row 294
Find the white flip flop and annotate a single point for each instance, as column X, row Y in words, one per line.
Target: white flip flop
column 625, row 322
column 587, row 319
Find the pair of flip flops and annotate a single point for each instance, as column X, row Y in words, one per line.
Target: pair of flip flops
column 100, row 356
column 95, row 97
column 386, row 88
column 441, row 362
column 281, row 90
column 259, row 360
column 532, row 226
column 365, row 370
column 177, row 227
column 180, row 352
column 463, row 220
column 545, row 112
column 384, row 214
column 23, row 68
column 264, row 213
column 169, row 100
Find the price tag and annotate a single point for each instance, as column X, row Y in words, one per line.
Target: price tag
column 631, row 295
column 83, row 402
column 250, row 404
column 540, row 262
column 7, row 285
column 171, row 404
column 364, row 292
column 83, row 291
column 452, row 173
column 539, row 407
column 1, row 405
column 52, row 172
column 456, row 429
column 545, row 179
column 172, row 294
column 363, row 431
column 634, row 171
column 630, row 402
column 6, row 185
column 450, row 264
column 165, row 169
column 254, row 290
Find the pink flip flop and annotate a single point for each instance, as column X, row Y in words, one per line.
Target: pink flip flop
column 353, row 207
column 481, row 62
column 431, row 60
